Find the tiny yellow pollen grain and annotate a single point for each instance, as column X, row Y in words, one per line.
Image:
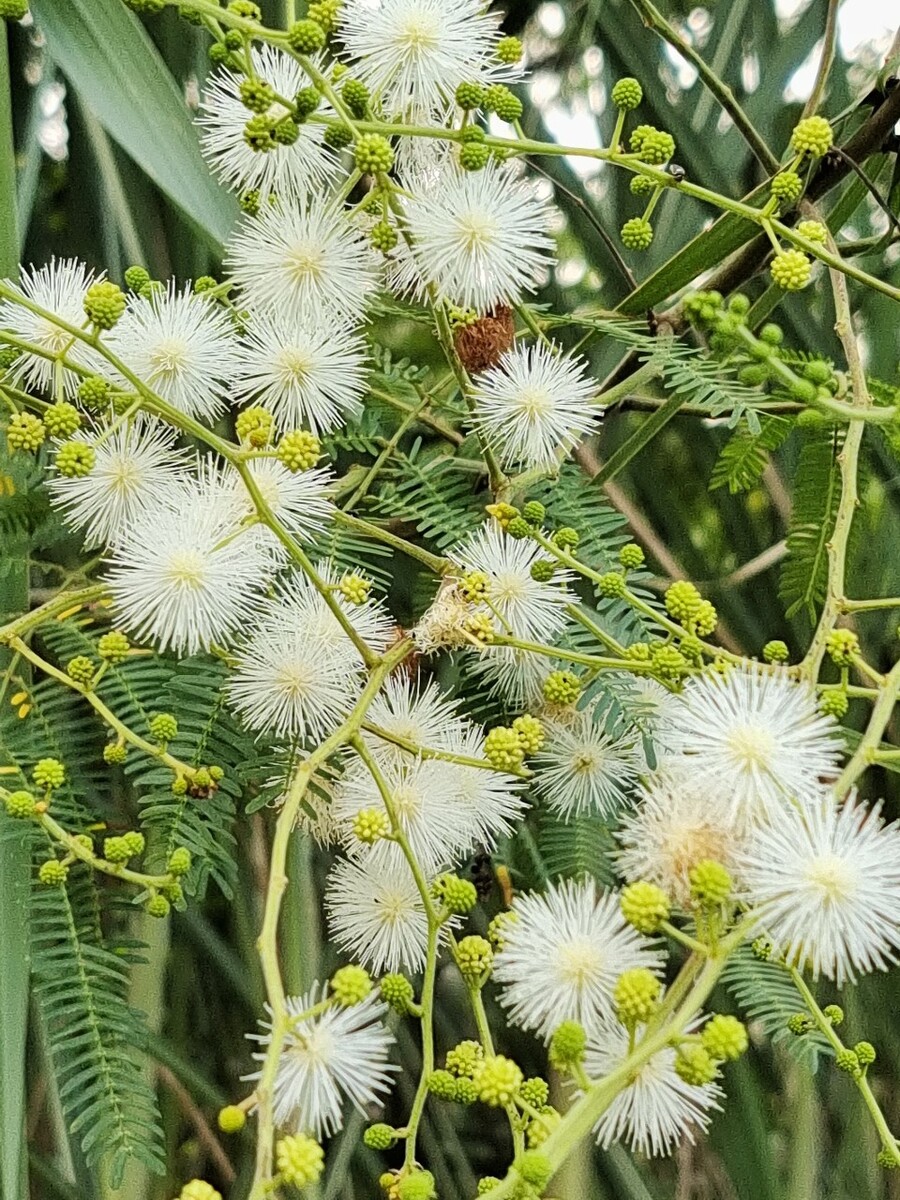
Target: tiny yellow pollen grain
column 18, row 698
column 23, row 712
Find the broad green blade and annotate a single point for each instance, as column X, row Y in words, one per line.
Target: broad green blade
column 119, row 74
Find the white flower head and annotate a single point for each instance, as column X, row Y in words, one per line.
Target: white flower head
column 756, row 737
column 299, row 499
column 676, row 825
column 59, row 287
column 480, row 238
column 581, row 768
column 376, row 915
column 182, row 346
column 301, row 372
column 304, row 165
column 535, row 404
column 181, row 578
column 825, row 883
column 656, row 1110
column 533, row 610
column 561, row 959
column 340, row 1054
column 412, row 54
column 303, row 259
column 136, row 467
column 423, row 716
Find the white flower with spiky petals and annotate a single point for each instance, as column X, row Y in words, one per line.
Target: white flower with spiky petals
column 581, row 768
column 182, row 578
column 561, row 958
column 301, row 372
column 756, row 737
column 59, row 287
column 515, row 675
column 412, row 54
column 299, row 674
column 480, row 238
column 532, row 610
column 676, row 825
column 422, row 716
column 339, row 1054
column 303, row 259
column 535, row 405
column 825, row 883
column 305, row 165
column 375, row 913
column 656, row 1110
column 182, row 346
column 299, row 499
column 136, row 467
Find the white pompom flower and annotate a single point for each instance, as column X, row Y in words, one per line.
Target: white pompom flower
column 59, row 287
column 676, row 825
column 479, row 238
column 182, row 346
column 136, row 467
column 412, row 54
column 182, row 578
column 338, row 1055
column 303, row 259
column 563, row 955
column 581, row 768
column 421, row 715
column 535, row 405
column 376, row 914
column 656, row 1110
column 301, row 372
column 299, row 499
column 824, row 882
column 305, row 165
column 754, row 737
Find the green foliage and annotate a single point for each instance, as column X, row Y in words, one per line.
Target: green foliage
column 816, row 496
column 745, row 455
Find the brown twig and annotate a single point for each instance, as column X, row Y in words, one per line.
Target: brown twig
column 204, row 1132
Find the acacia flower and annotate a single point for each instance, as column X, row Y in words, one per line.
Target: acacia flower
column 340, row 1054
column 825, row 883
column 561, row 958
column 581, row 768
column 376, row 915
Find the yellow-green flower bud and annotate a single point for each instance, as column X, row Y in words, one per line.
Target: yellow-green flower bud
column 350, row 985
column 724, row 1037
column 497, row 1080
column 299, row 1159
column 232, row 1119
column 644, row 906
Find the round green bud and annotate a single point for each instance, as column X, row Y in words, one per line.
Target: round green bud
column 179, row 785
column 812, row 135
column 285, row 132
column 706, row 618
column 754, row 374
column 93, row 393
column 418, row 1186
column 379, row 1137
column 221, row 56
column 534, row 512
column 776, row 651
column 497, row 1080
column 682, row 601
column 246, row 9
column 104, row 303
column 350, row 985
column 818, row 371
column 806, row 392
column 9, row 356
column 542, row 570
column 842, row 646
column 627, row 94
column 462, row 1060
column 611, row 584
column 259, row 133
column 538, row 1130
column 499, row 99
column 355, row 588
column 397, row 992
column 636, row 234
column 442, row 1084
column 846, row 1060
column 503, row 749
column 834, row 1013
column 644, row 906
column 641, row 185
column 568, row 1044
column 146, row 8
column 636, row 996
column 61, row 419
column 761, row 948
column 694, row 1065
column 710, row 882
column 232, row 1119
column 535, row 1091
column 163, row 727
column 561, row 687
column 834, row 703
column 257, row 95
column 791, row 270
column 373, row 154
column 20, row 804
column 530, row 733
column 13, row 10
column 136, row 278
column 474, row 156
column 48, row 773
column 80, row 668
column 202, row 778
column 383, row 237
column 179, row 861
column 469, row 96
column 135, row 841
column 299, row 450
column 474, row 957
column 325, row 12
column 254, row 425
column 518, row 528
column 799, row 1024
column 299, row 1159
column 865, row 1053
column 25, row 432
column 888, row 1159
column 457, row 895
column 356, row 96
column 668, row 661
column 74, row 459
column 656, row 147
column 306, row 102
column 566, row 537
column 338, row 136
column 157, row 906
column 813, row 231
column 739, row 304
column 631, row 556
column 509, row 50
column 370, row 825
column 53, row 873
column 487, row 1183
column 116, row 850
column 535, row 1168
column 199, row 1189
column 306, row 36
column 466, row 1092
column 787, row 187
column 724, row 1037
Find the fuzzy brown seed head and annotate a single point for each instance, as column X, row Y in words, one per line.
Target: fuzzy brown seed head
column 482, row 343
